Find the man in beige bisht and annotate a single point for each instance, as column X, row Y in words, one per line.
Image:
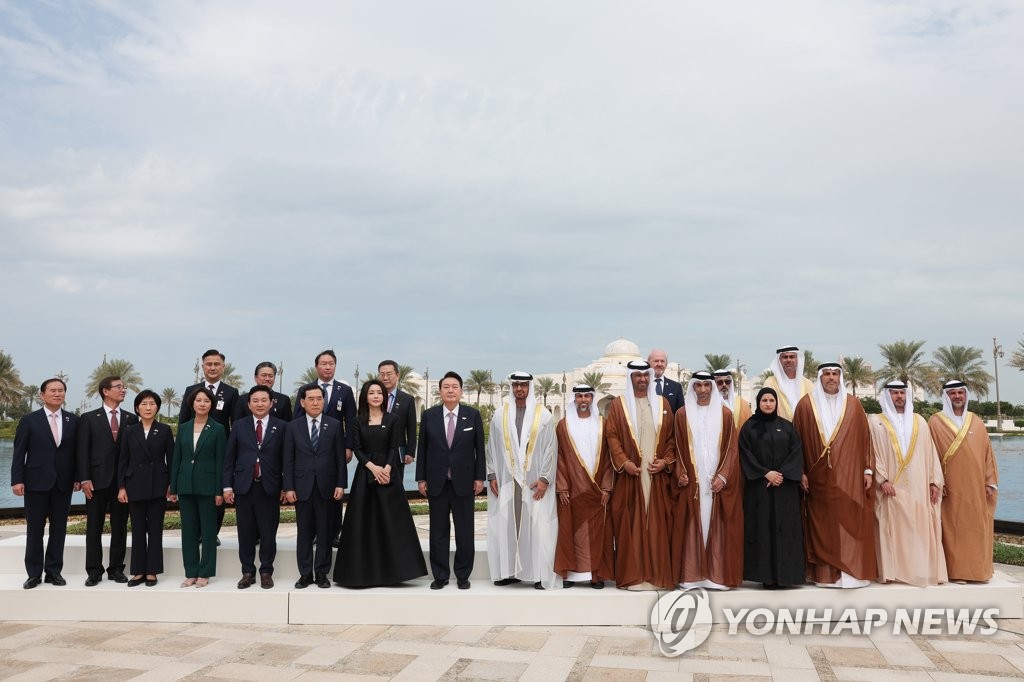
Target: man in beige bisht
column 788, row 379
column 522, row 519
column 735, row 402
column 907, row 472
column 972, row 482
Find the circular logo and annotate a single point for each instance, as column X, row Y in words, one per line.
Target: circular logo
column 681, row 620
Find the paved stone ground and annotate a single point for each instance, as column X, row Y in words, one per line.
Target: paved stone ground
column 160, row 651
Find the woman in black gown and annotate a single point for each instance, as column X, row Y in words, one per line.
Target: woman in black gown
column 772, row 459
column 379, row 545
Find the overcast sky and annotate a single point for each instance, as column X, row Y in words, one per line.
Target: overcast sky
column 505, row 185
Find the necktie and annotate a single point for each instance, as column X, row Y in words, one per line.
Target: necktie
column 314, row 435
column 326, row 395
column 658, row 386
column 451, row 428
column 53, row 429
column 212, row 390
column 259, row 442
column 113, row 424
column 391, row 401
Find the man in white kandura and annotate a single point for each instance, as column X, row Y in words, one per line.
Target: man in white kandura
column 788, row 380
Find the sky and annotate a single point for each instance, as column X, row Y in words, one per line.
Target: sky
column 467, row 185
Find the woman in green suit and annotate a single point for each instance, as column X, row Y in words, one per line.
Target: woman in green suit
column 196, row 484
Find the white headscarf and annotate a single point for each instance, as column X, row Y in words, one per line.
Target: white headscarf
column 903, row 422
column 791, row 387
column 652, row 395
column 731, row 400
column 531, row 405
column 705, row 423
column 947, row 404
column 829, row 407
column 584, row 432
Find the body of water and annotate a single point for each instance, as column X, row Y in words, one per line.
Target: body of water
column 1009, row 456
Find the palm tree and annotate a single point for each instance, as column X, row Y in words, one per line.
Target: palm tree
column 31, row 393
column 308, row 377
column 856, row 372
column 810, row 365
column 713, row 361
column 763, row 377
column 546, row 386
column 115, row 367
column 406, row 382
column 478, row 381
column 1017, row 360
column 171, row 399
column 10, row 381
column 963, row 363
column 596, row 381
column 904, row 360
column 231, row 376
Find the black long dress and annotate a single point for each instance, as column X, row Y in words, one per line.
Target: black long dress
column 773, row 551
column 379, row 545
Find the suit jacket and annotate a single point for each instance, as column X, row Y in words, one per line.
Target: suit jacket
column 223, row 416
column 98, row 454
column 404, row 411
column 281, row 407
column 242, row 451
column 342, row 407
column 326, row 463
column 144, row 470
column 673, row 392
column 465, row 458
column 38, row 462
column 197, row 470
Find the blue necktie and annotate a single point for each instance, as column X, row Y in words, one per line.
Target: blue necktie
column 314, row 436
column 657, row 387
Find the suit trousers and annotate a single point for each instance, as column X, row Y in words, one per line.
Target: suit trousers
column 104, row 501
column 460, row 508
column 147, row 535
column 258, row 514
column 314, row 518
column 42, row 506
column 198, row 519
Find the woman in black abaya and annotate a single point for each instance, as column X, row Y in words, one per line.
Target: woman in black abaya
column 772, row 460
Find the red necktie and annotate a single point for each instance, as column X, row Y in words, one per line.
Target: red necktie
column 259, row 442
column 113, row 424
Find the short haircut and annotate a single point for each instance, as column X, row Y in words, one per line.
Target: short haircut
column 316, row 361
column 388, row 362
column 450, row 375
column 259, row 388
column 106, row 383
column 265, row 365
column 308, row 387
column 42, row 387
column 214, row 351
column 364, row 399
column 146, row 393
column 204, row 391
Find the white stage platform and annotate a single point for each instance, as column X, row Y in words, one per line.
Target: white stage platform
column 415, row 603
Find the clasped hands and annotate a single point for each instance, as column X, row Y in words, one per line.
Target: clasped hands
column 381, row 474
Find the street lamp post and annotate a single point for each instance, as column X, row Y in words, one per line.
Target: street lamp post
column 997, row 352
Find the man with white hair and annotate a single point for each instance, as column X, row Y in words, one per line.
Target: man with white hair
column 735, row 402
column 910, row 479
column 971, row 484
column 839, row 518
column 708, row 525
column 788, row 380
column 584, row 485
column 640, row 440
column 668, row 388
column 522, row 519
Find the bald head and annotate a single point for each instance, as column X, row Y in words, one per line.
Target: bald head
column 659, row 361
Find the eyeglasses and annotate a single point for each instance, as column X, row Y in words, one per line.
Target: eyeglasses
column 118, row 387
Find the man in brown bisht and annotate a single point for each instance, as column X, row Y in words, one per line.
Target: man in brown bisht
column 584, row 486
column 708, row 524
column 972, row 482
column 639, row 432
column 733, row 400
column 839, row 507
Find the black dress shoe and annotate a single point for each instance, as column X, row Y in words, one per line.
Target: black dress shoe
column 506, row 581
column 150, row 582
column 304, row 581
column 463, row 584
column 32, row 582
column 117, row 576
column 55, row 579
column 568, row 583
column 93, row 580
column 135, row 582
column 538, row 586
column 322, row 581
column 597, row 585
column 248, row 580
column 436, row 585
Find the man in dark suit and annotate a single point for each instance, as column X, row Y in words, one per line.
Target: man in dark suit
column 671, row 390
column 340, row 404
column 43, row 471
column 252, row 482
column 281, row 405
column 315, row 478
column 450, row 470
column 98, row 450
column 403, row 406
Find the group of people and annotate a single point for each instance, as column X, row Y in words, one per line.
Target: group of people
column 672, row 488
